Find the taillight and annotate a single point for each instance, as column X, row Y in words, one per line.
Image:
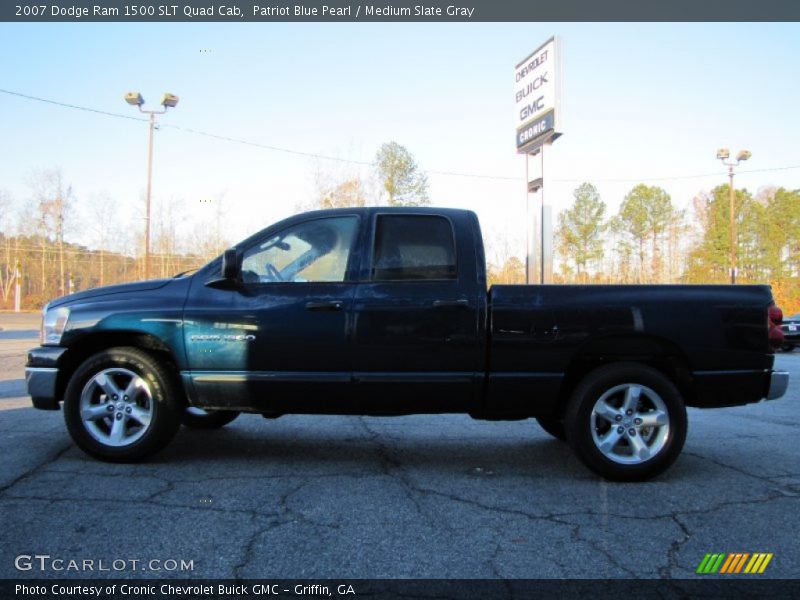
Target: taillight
column 774, row 320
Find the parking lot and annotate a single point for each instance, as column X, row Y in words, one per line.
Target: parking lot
column 410, row 497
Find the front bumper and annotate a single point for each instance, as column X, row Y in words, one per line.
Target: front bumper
column 42, row 387
column 778, row 383
column 41, row 376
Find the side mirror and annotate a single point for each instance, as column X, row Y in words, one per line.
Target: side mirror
column 230, row 272
column 230, row 264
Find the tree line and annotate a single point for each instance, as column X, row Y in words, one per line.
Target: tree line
column 650, row 240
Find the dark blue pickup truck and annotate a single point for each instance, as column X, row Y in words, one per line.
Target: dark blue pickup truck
column 385, row 311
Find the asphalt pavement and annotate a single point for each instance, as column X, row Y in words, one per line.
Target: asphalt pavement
column 408, row 497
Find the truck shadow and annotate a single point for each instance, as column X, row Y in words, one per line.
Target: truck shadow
column 326, row 451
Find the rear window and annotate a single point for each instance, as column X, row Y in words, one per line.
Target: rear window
column 413, row 247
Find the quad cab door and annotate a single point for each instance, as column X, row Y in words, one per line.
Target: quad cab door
column 416, row 317
column 278, row 341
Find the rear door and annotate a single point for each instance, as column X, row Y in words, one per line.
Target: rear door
column 415, row 312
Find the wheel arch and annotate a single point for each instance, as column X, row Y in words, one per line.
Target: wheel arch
column 93, row 343
column 658, row 353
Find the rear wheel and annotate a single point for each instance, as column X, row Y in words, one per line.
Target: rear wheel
column 626, row 422
column 198, row 418
column 554, row 427
column 121, row 405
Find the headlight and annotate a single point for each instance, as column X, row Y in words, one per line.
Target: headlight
column 54, row 321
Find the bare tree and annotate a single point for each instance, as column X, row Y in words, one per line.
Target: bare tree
column 166, row 235
column 102, row 209
column 346, row 194
column 52, row 202
column 341, row 188
column 503, row 264
column 208, row 239
column 8, row 272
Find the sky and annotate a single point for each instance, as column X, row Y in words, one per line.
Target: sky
column 642, row 103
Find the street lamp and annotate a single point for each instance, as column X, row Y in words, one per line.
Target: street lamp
column 168, row 101
column 723, row 154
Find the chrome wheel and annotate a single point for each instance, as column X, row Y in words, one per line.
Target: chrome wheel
column 116, row 407
column 630, row 424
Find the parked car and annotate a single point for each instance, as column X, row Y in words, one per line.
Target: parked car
column 791, row 332
column 385, row 311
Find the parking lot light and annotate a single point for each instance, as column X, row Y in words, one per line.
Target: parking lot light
column 723, row 154
column 168, row 101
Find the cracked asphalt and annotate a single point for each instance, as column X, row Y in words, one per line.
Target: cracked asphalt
column 411, row 497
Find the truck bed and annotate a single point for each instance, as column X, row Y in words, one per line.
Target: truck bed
column 541, row 335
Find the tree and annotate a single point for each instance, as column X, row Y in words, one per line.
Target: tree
column 621, row 268
column 210, row 240
column 8, row 270
column 404, row 182
column 102, row 215
column 709, row 260
column 52, row 206
column 580, row 229
column 166, row 240
column 783, row 207
column 646, row 214
column 511, row 271
column 346, row 194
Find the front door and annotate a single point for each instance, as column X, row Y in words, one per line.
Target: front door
column 279, row 342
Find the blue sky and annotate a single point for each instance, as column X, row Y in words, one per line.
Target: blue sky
column 641, row 102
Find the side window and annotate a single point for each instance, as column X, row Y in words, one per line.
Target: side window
column 413, row 247
column 309, row 252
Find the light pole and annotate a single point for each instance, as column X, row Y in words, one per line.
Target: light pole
column 168, row 101
column 723, row 154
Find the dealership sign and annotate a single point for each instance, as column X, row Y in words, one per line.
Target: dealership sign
column 537, row 88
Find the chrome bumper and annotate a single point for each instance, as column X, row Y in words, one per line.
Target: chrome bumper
column 779, row 381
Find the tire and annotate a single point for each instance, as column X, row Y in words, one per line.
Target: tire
column 788, row 347
column 197, row 418
column 554, row 427
column 605, row 396
column 143, row 399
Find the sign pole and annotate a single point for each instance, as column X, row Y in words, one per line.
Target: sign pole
column 528, row 228
column 533, row 221
column 546, row 272
column 537, row 94
column 541, row 220
column 17, row 290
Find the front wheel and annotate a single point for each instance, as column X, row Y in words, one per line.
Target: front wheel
column 626, row 422
column 198, row 418
column 121, row 405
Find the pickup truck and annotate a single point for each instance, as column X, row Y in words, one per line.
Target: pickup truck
column 385, row 311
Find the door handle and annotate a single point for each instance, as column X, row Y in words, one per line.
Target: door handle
column 451, row 303
column 330, row 306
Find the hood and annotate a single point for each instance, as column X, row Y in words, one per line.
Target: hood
column 137, row 286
